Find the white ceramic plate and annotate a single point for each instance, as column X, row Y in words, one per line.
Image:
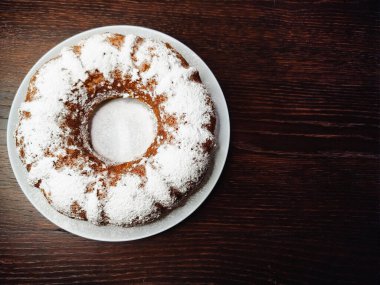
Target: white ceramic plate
column 112, row 233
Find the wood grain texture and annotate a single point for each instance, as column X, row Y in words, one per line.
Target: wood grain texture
column 298, row 201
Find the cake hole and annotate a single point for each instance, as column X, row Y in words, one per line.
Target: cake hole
column 121, row 130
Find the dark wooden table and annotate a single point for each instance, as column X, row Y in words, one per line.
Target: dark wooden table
column 298, row 201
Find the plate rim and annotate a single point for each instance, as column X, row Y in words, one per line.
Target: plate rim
column 137, row 30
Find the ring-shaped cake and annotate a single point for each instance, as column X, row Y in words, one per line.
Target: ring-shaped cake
column 53, row 135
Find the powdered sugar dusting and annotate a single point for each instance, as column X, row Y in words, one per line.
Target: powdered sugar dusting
column 98, row 54
column 138, row 195
column 122, row 130
column 129, row 200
